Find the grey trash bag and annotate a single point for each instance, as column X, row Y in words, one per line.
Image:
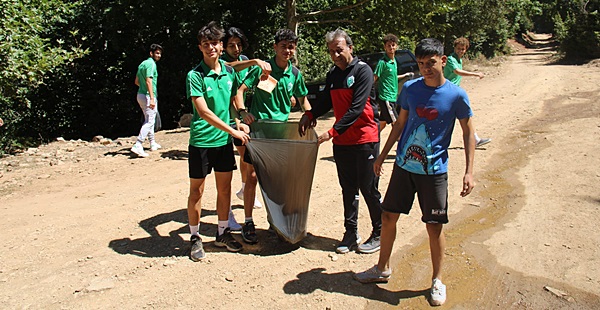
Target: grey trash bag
column 285, row 166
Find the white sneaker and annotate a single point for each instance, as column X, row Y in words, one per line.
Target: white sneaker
column 240, row 194
column 139, row 150
column 483, row 141
column 233, row 224
column 257, row 204
column 155, row 146
column 438, row 293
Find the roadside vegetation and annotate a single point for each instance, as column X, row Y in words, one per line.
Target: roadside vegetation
column 67, row 67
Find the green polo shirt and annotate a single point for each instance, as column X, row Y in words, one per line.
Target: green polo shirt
column 387, row 78
column 217, row 89
column 277, row 104
column 240, row 74
column 452, row 64
column 147, row 69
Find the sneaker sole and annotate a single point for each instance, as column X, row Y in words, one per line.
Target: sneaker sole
column 249, row 241
column 230, row 249
column 371, row 251
column 482, row 143
column 139, row 154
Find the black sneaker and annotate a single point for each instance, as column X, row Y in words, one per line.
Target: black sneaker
column 227, row 240
column 197, row 251
column 350, row 240
column 371, row 245
column 249, row 233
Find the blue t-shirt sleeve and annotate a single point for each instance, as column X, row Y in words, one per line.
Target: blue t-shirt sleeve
column 463, row 105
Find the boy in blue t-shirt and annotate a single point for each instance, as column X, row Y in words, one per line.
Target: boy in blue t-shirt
column 430, row 106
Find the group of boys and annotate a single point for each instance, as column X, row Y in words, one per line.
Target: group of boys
column 423, row 128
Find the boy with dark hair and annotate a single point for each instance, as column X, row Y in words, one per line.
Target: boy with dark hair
column 234, row 42
column 386, row 79
column 430, row 106
column 453, row 72
column 210, row 86
column 273, row 105
column 147, row 97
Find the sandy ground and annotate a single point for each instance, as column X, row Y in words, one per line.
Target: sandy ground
column 85, row 225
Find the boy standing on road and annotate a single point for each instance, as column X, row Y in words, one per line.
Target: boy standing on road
column 274, row 105
column 147, row 97
column 234, row 42
column 386, row 79
column 430, row 106
column 210, row 86
column 453, row 72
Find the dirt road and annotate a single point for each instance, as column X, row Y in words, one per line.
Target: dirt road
column 84, row 225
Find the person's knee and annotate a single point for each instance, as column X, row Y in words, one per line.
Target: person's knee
column 434, row 229
column 389, row 218
column 195, row 195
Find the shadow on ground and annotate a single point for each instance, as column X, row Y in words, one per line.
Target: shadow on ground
column 157, row 245
column 342, row 282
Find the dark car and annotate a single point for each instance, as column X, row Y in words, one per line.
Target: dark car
column 407, row 62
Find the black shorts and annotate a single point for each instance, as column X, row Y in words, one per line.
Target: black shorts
column 387, row 111
column 432, row 192
column 202, row 160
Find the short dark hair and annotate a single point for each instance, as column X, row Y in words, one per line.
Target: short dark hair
column 338, row 33
column 285, row 35
column 429, row 47
column 212, row 31
column 390, row 37
column 234, row 32
column 155, row 47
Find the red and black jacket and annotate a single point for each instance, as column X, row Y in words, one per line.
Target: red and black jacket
column 350, row 93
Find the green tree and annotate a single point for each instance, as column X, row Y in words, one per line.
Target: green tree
column 30, row 52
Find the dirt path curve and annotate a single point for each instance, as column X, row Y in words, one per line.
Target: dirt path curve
column 84, row 225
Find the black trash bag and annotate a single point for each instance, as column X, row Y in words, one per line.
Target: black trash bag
column 285, row 167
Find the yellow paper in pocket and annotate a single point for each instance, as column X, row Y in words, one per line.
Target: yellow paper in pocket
column 267, row 85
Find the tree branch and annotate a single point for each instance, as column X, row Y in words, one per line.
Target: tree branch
column 343, row 8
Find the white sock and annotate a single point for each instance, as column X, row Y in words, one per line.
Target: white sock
column 243, row 186
column 222, row 226
column 194, row 229
column 477, row 137
column 248, row 219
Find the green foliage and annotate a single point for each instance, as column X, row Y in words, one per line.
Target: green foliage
column 68, row 66
column 30, row 52
column 581, row 40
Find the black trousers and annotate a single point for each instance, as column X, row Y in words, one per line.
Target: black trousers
column 355, row 172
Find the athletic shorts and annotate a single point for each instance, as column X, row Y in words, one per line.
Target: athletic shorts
column 203, row 160
column 387, row 111
column 431, row 190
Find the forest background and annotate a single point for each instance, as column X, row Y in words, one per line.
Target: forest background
column 67, row 67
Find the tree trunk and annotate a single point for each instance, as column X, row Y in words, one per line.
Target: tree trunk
column 292, row 17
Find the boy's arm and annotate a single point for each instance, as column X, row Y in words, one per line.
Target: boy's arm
column 397, row 128
column 469, row 144
column 238, row 103
column 150, row 92
column 462, row 72
column 137, row 81
column 240, row 65
column 209, row 116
